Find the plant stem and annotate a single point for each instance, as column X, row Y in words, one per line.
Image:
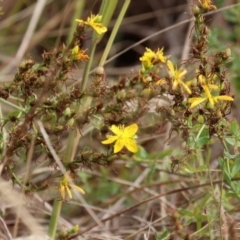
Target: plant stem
column 88, row 66
column 57, row 206
column 11, row 104
column 79, row 6
column 114, row 32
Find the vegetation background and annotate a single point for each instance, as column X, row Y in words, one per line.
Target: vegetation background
column 125, row 191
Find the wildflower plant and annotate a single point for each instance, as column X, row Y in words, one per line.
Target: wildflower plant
column 48, row 106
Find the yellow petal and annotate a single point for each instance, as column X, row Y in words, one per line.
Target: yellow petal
column 160, row 55
column 196, row 101
column 131, row 145
column 117, row 130
column 68, row 192
column 110, row 140
column 202, row 79
column 78, row 189
column 212, row 86
column 170, row 67
column 208, row 94
column 182, row 73
column 175, row 84
column 224, row 97
column 79, row 20
column 62, row 191
column 186, row 87
column 130, row 131
column 118, row 146
column 98, row 27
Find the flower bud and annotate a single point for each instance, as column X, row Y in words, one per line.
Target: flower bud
column 219, row 114
column 99, row 71
column 145, row 93
column 67, row 111
column 26, row 64
column 121, row 94
column 99, row 75
column 70, row 122
column 227, row 54
column 196, row 10
column 201, row 119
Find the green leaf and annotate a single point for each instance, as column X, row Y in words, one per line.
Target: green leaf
column 230, row 156
column 195, row 170
column 221, row 162
column 232, row 141
column 203, row 138
column 230, row 194
column 84, row 176
column 236, row 166
column 150, row 173
column 227, row 177
column 162, row 236
column 235, row 128
column 131, row 164
column 141, row 154
column 160, row 155
column 238, row 187
column 186, row 213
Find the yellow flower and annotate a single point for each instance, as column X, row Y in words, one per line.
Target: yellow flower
column 204, row 81
column 79, row 54
column 177, row 77
column 207, row 4
column 160, row 56
column 208, row 97
column 123, row 137
column 65, row 187
column 95, row 23
column 149, row 58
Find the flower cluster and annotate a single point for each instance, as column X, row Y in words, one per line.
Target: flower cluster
column 210, row 88
column 210, row 94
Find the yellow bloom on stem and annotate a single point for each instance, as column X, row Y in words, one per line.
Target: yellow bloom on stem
column 147, row 58
column 209, row 84
column 65, row 187
column 78, row 54
column 177, row 77
column 150, row 57
column 208, row 97
column 94, row 21
column 160, row 57
column 207, row 4
column 124, row 137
